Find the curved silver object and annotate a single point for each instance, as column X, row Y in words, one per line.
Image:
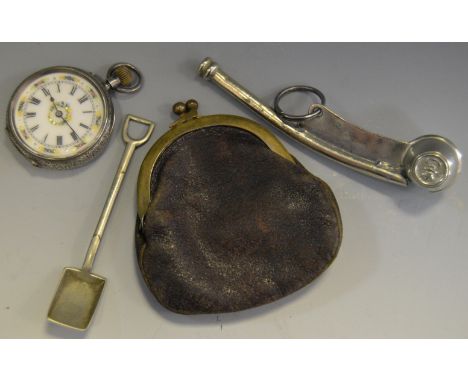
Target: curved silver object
column 430, row 161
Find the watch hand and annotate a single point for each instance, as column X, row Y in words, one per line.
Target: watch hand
column 59, row 114
column 72, row 129
column 53, row 103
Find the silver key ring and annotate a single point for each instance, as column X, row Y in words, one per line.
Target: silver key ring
column 315, row 112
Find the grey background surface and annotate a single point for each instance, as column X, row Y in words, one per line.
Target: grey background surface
column 401, row 270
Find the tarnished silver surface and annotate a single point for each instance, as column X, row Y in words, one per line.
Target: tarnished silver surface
column 73, row 161
column 113, row 82
column 355, row 147
column 131, row 145
column 431, row 162
column 315, row 112
column 79, row 291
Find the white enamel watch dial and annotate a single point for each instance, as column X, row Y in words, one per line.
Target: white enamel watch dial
column 62, row 117
column 59, row 115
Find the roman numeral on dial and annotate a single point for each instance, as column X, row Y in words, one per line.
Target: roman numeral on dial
column 83, row 99
column 84, row 126
column 59, row 140
column 34, row 128
column 74, row 136
column 73, row 90
column 30, row 115
column 34, row 101
column 46, row 92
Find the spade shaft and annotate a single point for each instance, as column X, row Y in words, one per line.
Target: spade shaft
column 79, row 290
column 106, row 211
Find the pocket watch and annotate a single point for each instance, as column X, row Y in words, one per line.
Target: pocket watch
column 62, row 117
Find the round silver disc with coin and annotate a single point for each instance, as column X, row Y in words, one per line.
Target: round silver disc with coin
column 62, row 117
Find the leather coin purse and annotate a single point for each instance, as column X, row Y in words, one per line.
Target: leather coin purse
column 227, row 218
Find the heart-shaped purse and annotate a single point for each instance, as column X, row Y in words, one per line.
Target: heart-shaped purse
column 227, row 218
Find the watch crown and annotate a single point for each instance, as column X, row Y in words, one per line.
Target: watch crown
column 124, row 78
column 124, row 74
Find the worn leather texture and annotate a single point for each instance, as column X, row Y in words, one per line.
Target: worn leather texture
column 233, row 225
